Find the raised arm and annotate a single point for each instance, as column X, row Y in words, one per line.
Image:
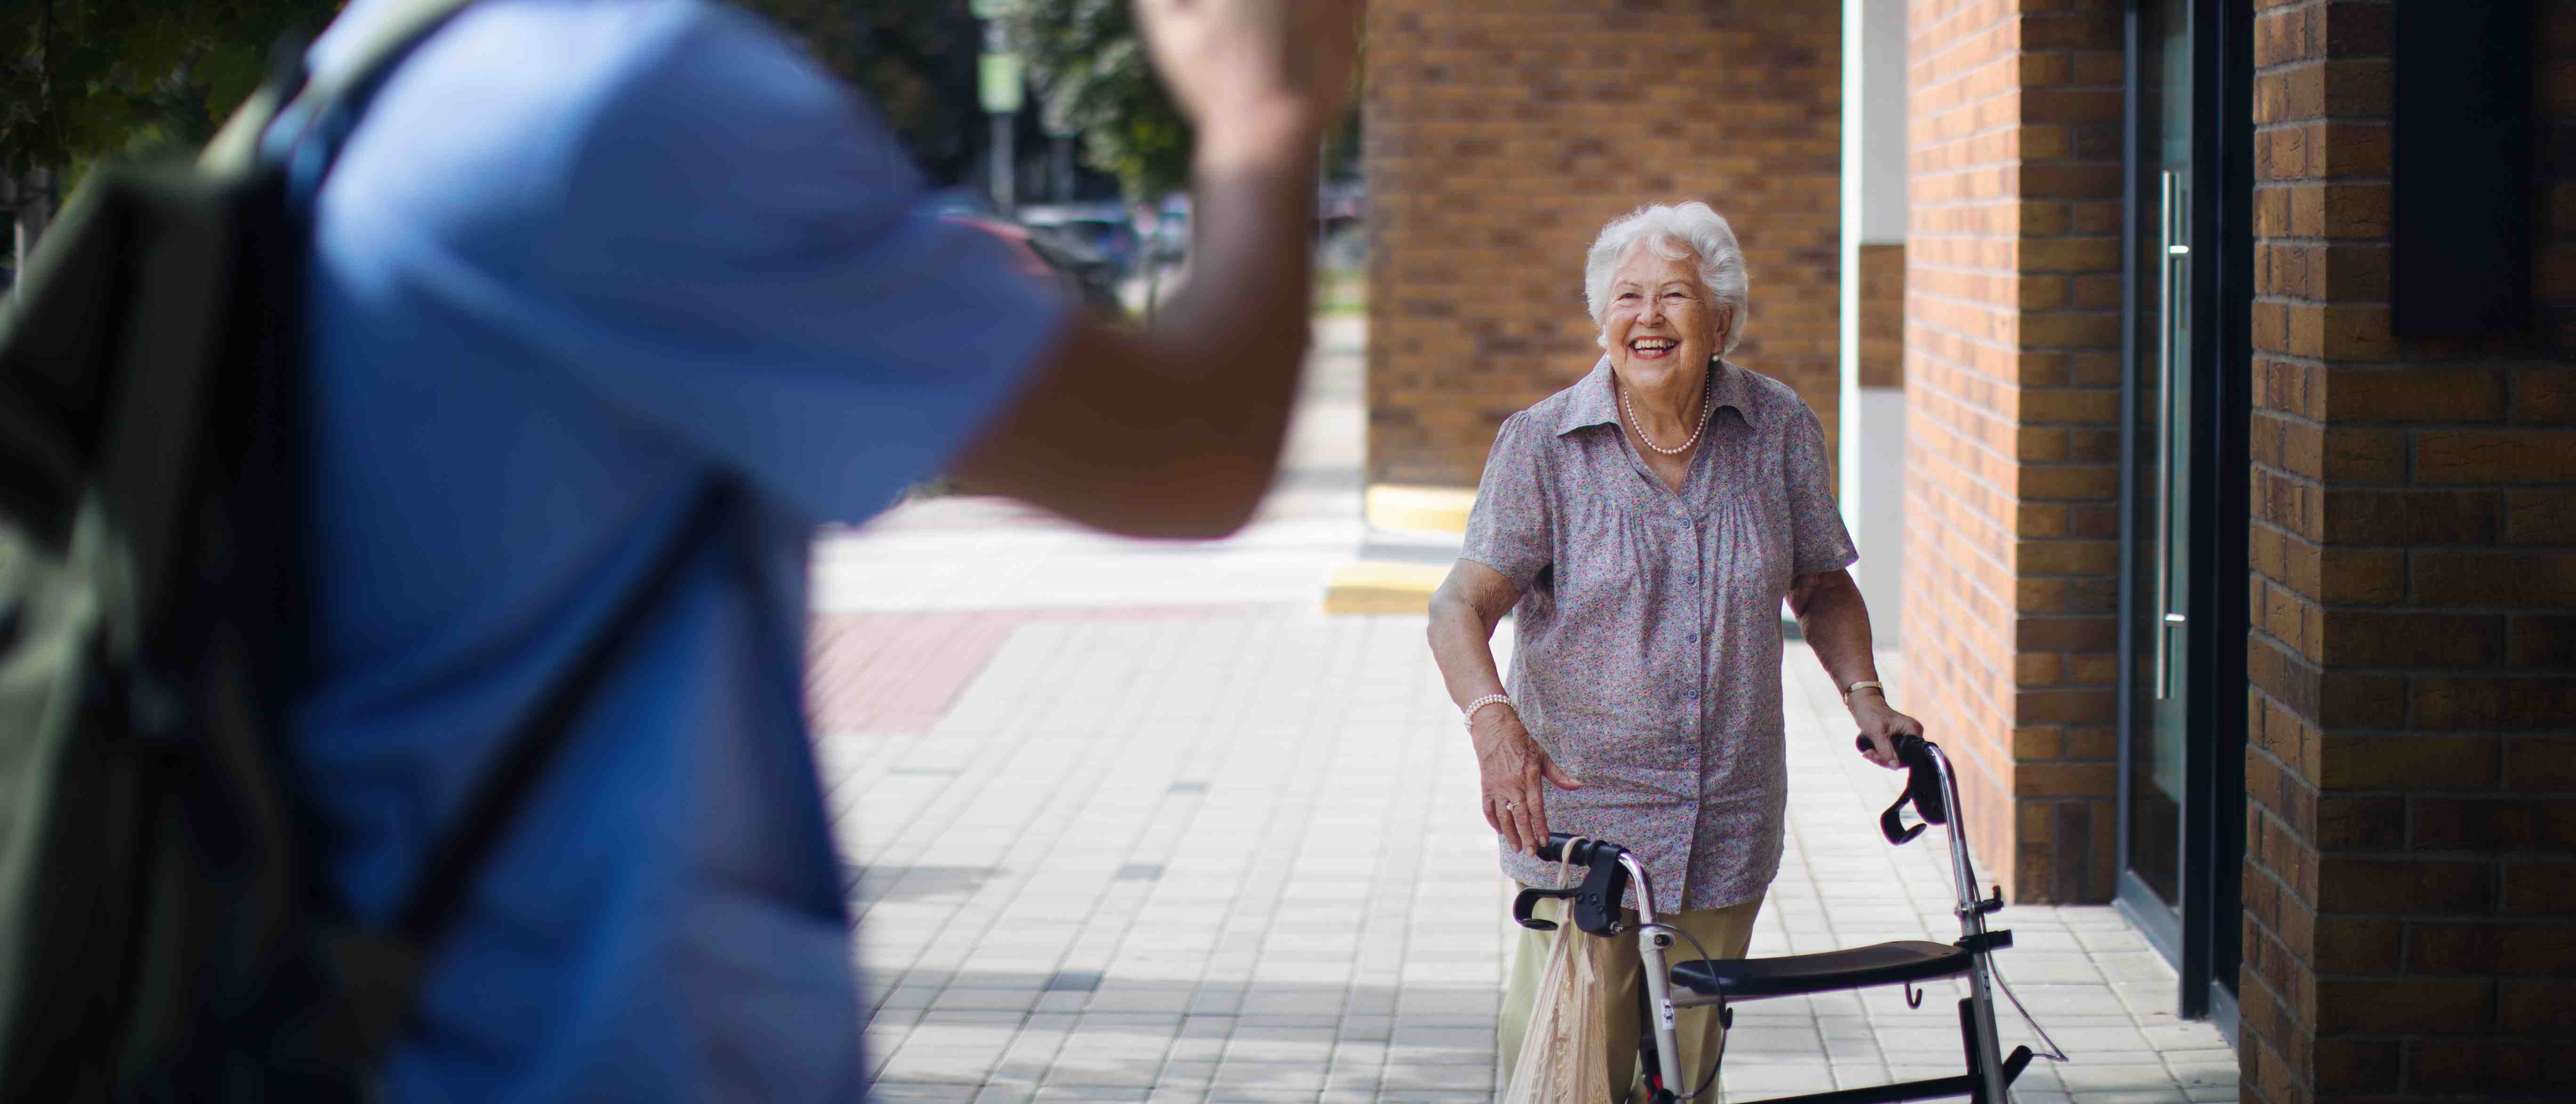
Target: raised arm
column 1174, row 431
column 1464, row 611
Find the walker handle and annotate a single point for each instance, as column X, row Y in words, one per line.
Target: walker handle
column 1908, row 746
column 1922, row 787
column 1554, row 849
column 1596, row 902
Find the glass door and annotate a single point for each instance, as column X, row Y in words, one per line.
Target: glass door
column 2159, row 453
column 2178, row 876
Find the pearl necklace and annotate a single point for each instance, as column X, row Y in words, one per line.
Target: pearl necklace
column 1707, row 403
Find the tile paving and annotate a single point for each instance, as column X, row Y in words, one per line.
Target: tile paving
column 1130, row 822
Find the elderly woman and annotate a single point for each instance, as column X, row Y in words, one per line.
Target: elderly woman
column 1644, row 525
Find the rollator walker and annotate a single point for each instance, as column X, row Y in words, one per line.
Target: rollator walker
column 1933, row 791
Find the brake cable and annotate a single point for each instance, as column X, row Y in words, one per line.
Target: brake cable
column 2054, row 1053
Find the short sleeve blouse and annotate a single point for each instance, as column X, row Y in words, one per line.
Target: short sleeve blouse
column 1648, row 629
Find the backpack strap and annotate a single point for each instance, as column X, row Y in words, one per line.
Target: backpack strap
column 299, row 95
column 380, row 970
column 436, row 897
column 382, row 44
column 297, row 124
column 197, row 225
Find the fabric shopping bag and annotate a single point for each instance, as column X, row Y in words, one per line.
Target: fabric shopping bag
column 1565, row 1055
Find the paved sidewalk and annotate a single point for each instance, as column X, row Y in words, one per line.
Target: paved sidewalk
column 1133, row 822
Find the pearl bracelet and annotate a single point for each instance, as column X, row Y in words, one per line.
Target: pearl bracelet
column 1468, row 718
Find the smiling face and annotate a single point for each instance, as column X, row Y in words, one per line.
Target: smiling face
column 1659, row 320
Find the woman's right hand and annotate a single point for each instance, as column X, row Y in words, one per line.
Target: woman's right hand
column 1512, row 768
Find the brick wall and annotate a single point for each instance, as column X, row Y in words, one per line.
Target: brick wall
column 2410, row 927
column 1502, row 134
column 2012, row 374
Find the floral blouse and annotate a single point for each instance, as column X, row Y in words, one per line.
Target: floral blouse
column 1648, row 628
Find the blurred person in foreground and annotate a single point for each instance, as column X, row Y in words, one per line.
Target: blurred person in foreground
column 579, row 260
column 1643, row 527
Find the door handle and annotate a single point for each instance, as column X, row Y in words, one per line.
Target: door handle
column 2171, row 254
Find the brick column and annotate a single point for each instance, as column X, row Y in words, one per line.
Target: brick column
column 1502, row 134
column 2012, row 382
column 2410, row 927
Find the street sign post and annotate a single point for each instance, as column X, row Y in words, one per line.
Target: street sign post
column 998, row 83
column 998, row 89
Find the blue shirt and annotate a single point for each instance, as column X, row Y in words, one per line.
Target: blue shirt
column 577, row 257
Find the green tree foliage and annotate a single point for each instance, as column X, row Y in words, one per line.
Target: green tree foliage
column 84, row 79
column 1093, row 77
column 914, row 58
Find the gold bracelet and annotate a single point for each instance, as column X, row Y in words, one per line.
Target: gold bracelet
column 1857, row 687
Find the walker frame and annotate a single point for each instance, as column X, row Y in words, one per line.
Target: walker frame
column 1933, row 790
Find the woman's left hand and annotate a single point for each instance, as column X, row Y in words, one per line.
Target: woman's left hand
column 1882, row 725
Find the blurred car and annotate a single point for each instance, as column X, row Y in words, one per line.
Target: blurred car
column 1042, row 252
column 1102, row 228
column 1170, row 234
column 1093, row 274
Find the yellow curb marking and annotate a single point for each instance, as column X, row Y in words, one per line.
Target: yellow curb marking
column 1419, row 509
column 1379, row 587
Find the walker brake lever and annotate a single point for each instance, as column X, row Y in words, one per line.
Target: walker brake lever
column 1922, row 788
column 1529, row 898
column 1893, row 826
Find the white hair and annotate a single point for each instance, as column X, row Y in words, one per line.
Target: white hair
column 1673, row 232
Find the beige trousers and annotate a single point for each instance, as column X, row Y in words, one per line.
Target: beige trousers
column 1726, row 932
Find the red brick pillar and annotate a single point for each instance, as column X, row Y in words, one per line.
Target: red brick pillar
column 1502, row 134
column 2012, row 380
column 2410, row 928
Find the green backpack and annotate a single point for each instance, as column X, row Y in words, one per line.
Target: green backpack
column 164, row 934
